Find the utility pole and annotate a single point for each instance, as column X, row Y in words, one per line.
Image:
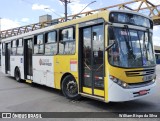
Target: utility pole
column 65, row 5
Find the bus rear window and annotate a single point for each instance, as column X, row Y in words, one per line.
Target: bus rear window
column 20, row 47
column 39, row 44
column 14, row 43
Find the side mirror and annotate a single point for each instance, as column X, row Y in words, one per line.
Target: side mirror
column 111, row 45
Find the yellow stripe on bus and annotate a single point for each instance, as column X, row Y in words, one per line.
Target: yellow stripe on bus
column 97, row 92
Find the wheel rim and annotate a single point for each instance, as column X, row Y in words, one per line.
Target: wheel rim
column 71, row 88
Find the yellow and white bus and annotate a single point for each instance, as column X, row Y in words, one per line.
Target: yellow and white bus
column 106, row 56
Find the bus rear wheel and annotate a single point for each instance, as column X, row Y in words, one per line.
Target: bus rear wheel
column 70, row 88
column 18, row 75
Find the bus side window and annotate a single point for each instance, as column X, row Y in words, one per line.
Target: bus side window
column 50, row 43
column 3, row 48
column 19, row 46
column 39, row 44
column 14, row 47
column 67, row 41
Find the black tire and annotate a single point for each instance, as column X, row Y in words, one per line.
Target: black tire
column 70, row 88
column 18, row 75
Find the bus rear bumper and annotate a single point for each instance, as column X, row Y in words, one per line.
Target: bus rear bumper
column 119, row 94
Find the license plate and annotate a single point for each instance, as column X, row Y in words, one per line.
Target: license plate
column 143, row 92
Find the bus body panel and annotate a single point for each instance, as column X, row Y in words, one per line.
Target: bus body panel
column 2, row 59
column 119, row 94
column 17, row 61
column 64, row 66
column 0, row 52
column 121, row 74
column 43, row 73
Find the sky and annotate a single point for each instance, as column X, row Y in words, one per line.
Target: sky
column 14, row 13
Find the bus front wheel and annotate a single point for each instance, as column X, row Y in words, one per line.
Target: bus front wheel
column 70, row 88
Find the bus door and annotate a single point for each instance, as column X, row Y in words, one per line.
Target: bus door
column 91, row 57
column 7, row 57
column 28, row 70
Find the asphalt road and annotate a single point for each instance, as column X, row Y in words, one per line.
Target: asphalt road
column 22, row 97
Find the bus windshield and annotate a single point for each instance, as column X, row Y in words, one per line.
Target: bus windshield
column 133, row 48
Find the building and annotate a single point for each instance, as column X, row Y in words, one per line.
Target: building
column 157, row 53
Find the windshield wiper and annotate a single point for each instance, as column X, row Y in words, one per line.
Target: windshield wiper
column 127, row 40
